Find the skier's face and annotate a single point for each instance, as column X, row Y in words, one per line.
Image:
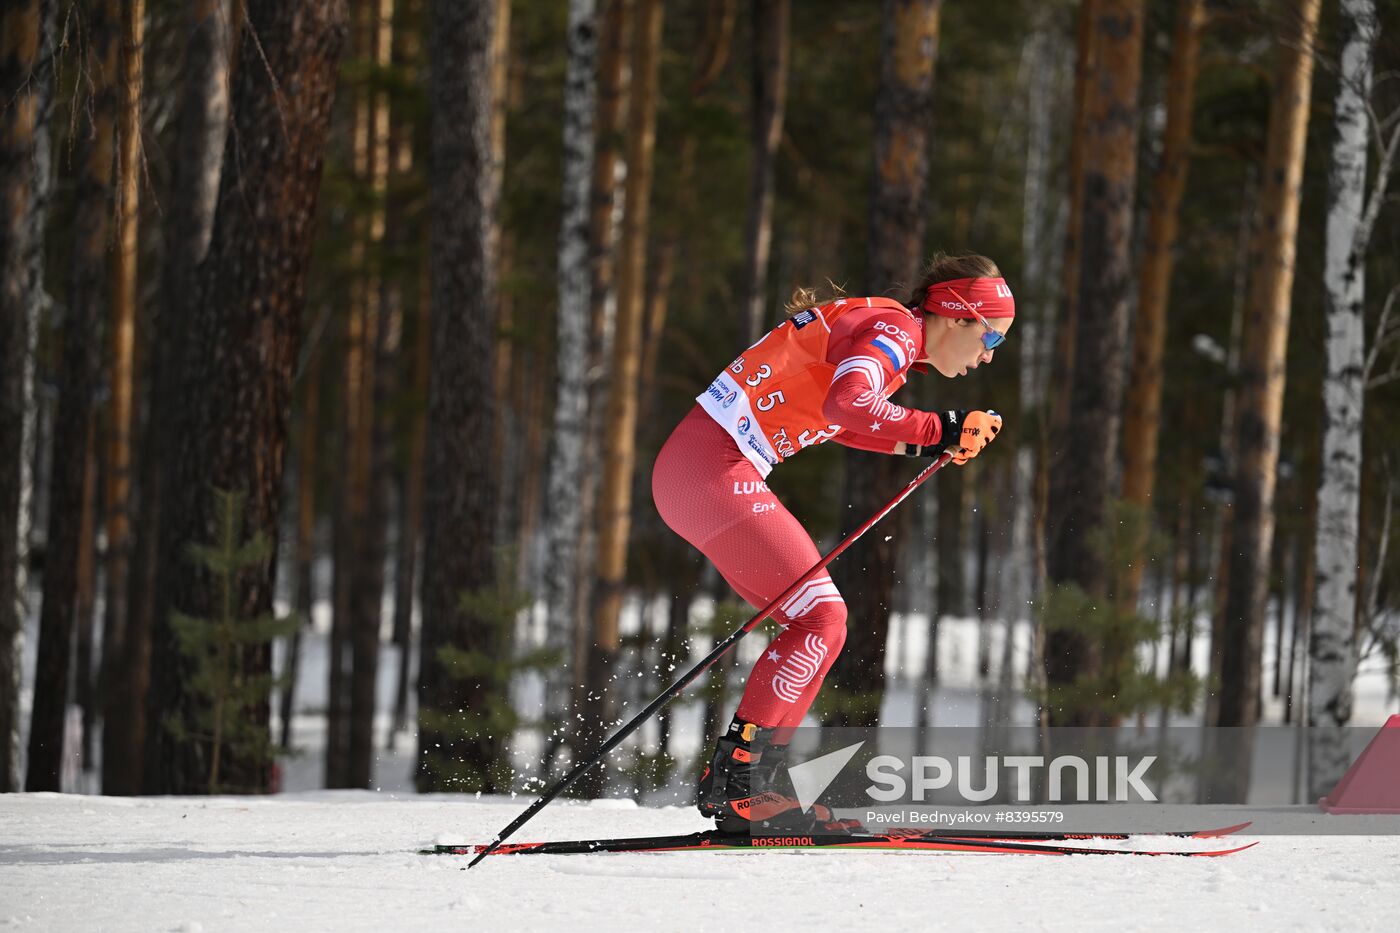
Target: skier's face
column 959, row 345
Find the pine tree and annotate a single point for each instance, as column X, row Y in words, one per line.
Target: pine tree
column 1081, row 486
column 1263, row 374
column 235, row 372
column 460, row 508
column 895, row 227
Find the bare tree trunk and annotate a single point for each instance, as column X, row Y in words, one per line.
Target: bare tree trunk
column 121, row 771
column 572, row 398
column 659, row 296
column 1052, row 452
column 84, row 599
column 894, row 249
column 615, row 494
column 189, row 225
column 672, row 658
column 1304, row 593
column 405, row 572
column 337, row 664
column 407, row 55
column 380, row 351
column 69, row 512
column 979, row 588
column 1040, row 57
column 1333, row 649
column 1286, row 570
column 460, row 502
column 1262, row 374
column 27, row 87
column 714, row 44
column 770, row 68
column 1084, row 66
column 1083, row 488
column 304, row 557
column 609, row 201
column 352, row 483
column 1221, row 524
column 235, row 374
column 413, row 497
column 93, row 189
column 535, row 378
column 1143, row 405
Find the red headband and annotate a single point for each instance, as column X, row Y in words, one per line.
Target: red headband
column 989, row 297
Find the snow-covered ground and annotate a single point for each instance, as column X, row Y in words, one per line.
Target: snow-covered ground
column 346, row 861
column 316, row 860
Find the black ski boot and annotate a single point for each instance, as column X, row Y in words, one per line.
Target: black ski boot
column 745, row 788
column 731, row 768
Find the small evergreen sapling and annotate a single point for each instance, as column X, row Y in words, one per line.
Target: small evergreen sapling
column 230, row 712
column 492, row 662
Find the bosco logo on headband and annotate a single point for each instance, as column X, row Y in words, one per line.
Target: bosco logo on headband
column 966, row 298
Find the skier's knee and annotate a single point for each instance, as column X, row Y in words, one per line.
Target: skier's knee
column 816, row 607
column 828, row 622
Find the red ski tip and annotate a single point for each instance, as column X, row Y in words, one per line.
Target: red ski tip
column 1219, row 852
column 1223, row 831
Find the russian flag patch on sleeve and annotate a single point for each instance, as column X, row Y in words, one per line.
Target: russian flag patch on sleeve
column 892, row 350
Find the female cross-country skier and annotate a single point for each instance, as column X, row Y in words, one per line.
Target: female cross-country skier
column 826, row 373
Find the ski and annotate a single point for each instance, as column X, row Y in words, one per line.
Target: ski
column 909, row 840
column 1063, row 836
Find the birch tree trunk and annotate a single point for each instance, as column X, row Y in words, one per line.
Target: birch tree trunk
column 1262, row 374
column 235, row 377
column 1143, row 405
column 608, row 203
column 457, row 748
column 770, row 68
column 1333, row 647
column 572, row 399
column 896, row 224
column 1082, row 488
column 26, row 83
column 203, row 126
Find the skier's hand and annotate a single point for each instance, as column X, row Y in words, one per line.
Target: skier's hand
column 979, row 428
column 965, row 433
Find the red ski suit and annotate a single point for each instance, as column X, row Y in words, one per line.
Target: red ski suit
column 824, row 374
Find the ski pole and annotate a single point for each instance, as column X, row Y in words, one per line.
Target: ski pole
column 715, row 654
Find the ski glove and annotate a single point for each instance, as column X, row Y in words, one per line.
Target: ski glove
column 976, row 429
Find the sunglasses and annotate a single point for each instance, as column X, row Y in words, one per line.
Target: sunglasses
column 991, row 337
